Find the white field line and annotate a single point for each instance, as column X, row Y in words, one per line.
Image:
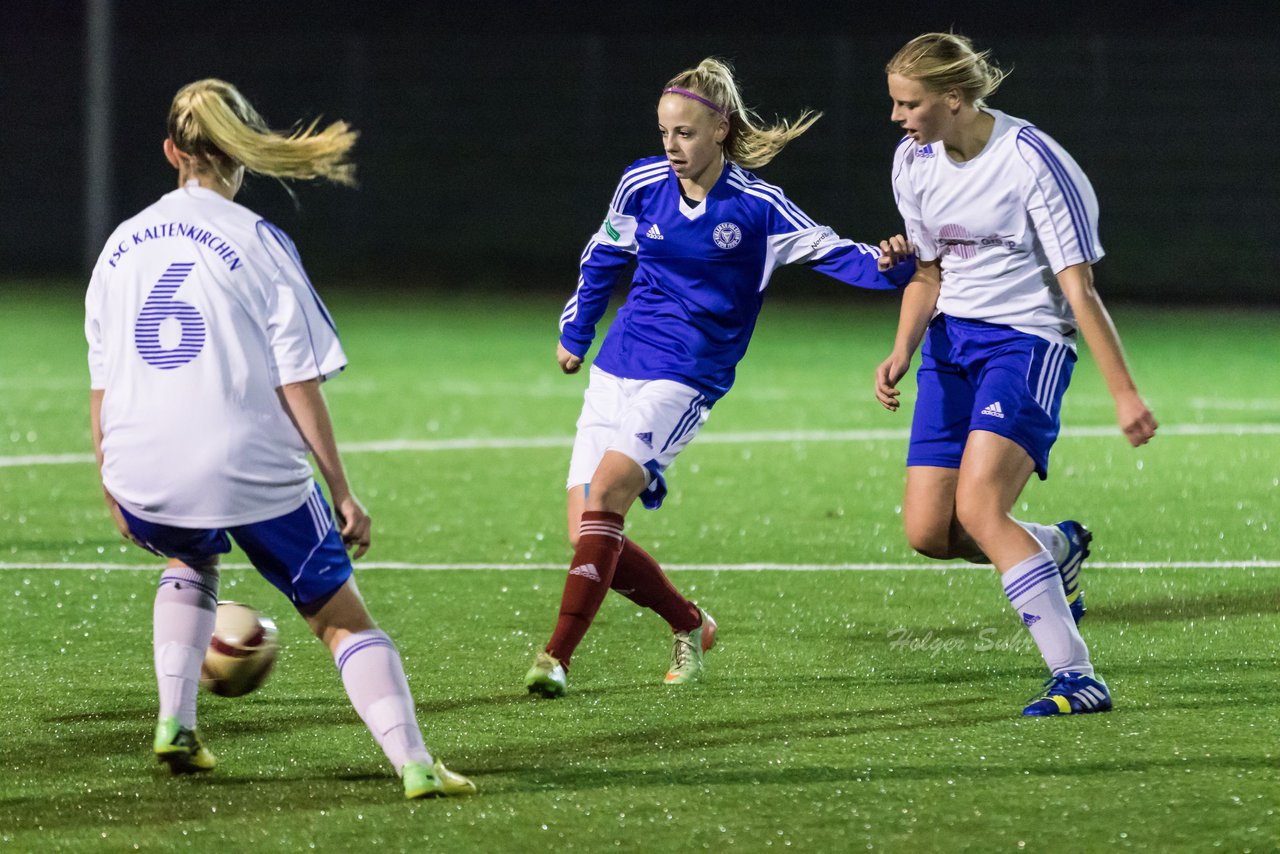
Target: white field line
column 683, row 567
column 390, row 446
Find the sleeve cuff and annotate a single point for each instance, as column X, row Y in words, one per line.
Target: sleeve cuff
column 899, row 275
column 576, row 347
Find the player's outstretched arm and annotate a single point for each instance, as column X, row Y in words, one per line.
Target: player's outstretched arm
column 918, row 301
column 310, row 414
column 1136, row 420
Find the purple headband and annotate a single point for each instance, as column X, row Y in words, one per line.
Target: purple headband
column 696, row 97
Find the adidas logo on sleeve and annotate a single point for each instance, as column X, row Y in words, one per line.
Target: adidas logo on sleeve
column 994, row 410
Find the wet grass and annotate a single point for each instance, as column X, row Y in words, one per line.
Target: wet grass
column 844, row 710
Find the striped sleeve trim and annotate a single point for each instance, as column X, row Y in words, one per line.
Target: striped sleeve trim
column 570, row 312
column 287, row 244
column 636, row 178
column 637, row 186
column 774, row 195
column 1070, row 192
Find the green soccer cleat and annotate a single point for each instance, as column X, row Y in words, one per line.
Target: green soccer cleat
column 180, row 748
column 687, row 650
column 433, row 781
column 546, row 677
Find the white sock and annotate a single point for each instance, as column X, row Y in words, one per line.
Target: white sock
column 1050, row 539
column 1034, row 588
column 185, row 610
column 374, row 678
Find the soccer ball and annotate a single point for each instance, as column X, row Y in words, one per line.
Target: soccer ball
column 241, row 652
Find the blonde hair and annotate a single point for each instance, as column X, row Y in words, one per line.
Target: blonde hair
column 211, row 121
column 750, row 142
column 945, row 61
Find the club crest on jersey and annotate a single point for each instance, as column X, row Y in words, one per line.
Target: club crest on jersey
column 727, row 235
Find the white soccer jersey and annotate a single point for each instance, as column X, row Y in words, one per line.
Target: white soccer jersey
column 197, row 310
column 1003, row 223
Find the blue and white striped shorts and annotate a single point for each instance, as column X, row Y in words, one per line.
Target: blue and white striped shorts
column 984, row 376
column 651, row 421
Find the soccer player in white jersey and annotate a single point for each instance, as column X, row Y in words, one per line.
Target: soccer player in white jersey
column 207, row 347
column 706, row 236
column 1005, row 226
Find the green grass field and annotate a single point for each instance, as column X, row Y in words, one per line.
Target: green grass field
column 845, row 708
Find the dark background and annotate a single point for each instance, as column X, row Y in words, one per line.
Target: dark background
column 493, row 134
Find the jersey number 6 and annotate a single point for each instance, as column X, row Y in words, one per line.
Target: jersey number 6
column 161, row 306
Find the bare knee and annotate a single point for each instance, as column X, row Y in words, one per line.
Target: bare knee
column 980, row 521
column 616, row 484
column 613, row 495
column 930, row 543
column 929, row 538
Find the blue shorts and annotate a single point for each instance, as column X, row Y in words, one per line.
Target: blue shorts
column 983, row 376
column 301, row 553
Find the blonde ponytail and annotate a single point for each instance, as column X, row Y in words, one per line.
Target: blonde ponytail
column 212, row 121
column 750, row 142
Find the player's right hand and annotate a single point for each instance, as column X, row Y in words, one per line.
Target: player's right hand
column 569, row 363
column 888, row 374
column 1136, row 420
column 354, row 524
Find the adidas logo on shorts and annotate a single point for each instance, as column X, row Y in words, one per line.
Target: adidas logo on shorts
column 994, row 410
column 647, row 438
column 1028, row 620
column 654, row 233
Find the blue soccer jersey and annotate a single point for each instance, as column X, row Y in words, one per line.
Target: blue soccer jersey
column 701, row 273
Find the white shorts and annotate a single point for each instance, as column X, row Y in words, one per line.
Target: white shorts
column 651, row 421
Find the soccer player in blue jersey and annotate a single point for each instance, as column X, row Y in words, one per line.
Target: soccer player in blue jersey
column 1005, row 226
column 207, row 348
column 706, row 235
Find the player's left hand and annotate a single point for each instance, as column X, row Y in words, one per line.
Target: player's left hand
column 354, row 524
column 892, row 251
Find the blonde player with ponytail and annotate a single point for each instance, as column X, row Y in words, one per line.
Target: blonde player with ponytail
column 207, row 348
column 706, row 235
column 1006, row 227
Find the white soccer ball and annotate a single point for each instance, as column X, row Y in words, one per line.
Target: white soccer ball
column 241, row 652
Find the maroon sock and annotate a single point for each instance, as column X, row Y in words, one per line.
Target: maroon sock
column 590, row 574
column 641, row 580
